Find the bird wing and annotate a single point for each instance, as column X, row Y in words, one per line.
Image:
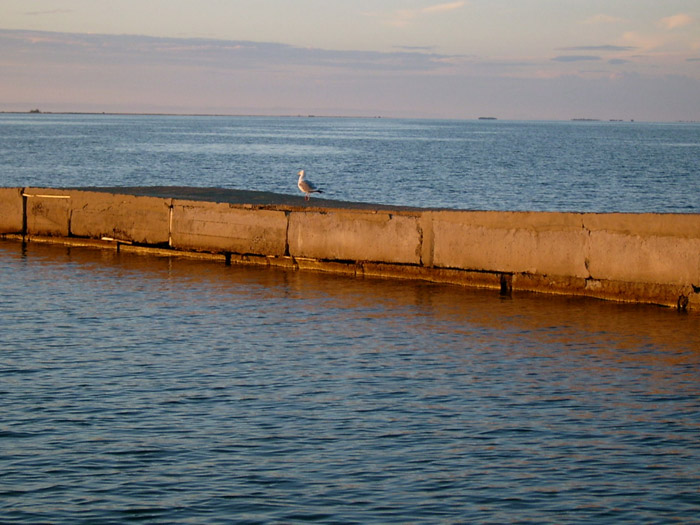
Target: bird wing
column 306, row 186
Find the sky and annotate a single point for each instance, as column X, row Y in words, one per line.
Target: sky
column 463, row 59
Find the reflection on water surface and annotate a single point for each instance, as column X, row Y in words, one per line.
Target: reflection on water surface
column 175, row 391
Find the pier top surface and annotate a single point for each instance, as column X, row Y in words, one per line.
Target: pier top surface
column 242, row 197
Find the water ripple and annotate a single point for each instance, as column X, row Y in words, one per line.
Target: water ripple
column 556, row 166
column 174, row 391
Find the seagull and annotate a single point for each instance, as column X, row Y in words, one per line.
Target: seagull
column 306, row 186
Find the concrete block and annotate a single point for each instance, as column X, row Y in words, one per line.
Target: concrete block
column 679, row 225
column 209, row 226
column 537, row 243
column 355, row 236
column 48, row 212
column 144, row 220
column 11, row 210
column 645, row 247
column 425, row 224
column 644, row 259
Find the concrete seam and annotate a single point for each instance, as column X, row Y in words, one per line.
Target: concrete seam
column 587, row 249
column 287, row 215
column 24, row 214
column 428, row 236
column 421, row 238
column 170, row 224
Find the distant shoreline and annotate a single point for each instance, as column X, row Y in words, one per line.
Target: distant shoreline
column 259, row 115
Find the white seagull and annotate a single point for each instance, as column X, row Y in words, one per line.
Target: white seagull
column 306, row 186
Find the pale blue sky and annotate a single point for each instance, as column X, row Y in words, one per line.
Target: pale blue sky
column 524, row 59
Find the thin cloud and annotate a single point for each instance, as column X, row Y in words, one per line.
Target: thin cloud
column 641, row 41
column 576, row 58
column 79, row 72
column 404, row 17
column 603, row 19
column 441, row 8
column 507, row 64
column 220, row 54
column 675, row 21
column 598, row 48
column 415, row 48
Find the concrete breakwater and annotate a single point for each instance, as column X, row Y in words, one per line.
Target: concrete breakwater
column 642, row 258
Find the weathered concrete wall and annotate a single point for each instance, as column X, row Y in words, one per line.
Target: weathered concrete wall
column 11, row 210
column 355, row 236
column 144, row 220
column 574, row 250
column 648, row 258
column 643, row 248
column 512, row 242
column 646, row 248
column 47, row 212
column 209, row 226
column 63, row 213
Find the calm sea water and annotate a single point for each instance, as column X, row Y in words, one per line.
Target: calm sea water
column 489, row 165
column 157, row 390
column 161, row 390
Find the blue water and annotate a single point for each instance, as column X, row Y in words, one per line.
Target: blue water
column 488, row 165
column 159, row 390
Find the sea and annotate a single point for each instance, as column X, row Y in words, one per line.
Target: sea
column 139, row 389
column 579, row 166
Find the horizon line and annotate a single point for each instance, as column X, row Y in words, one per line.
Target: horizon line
column 311, row 115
